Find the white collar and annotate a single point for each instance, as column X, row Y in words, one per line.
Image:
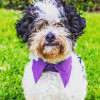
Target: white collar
column 32, row 56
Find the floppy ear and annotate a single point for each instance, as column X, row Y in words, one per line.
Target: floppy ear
column 76, row 22
column 24, row 25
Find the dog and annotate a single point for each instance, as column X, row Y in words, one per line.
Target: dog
column 51, row 29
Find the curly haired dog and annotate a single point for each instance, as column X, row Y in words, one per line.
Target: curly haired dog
column 51, row 29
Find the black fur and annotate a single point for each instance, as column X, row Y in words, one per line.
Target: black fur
column 75, row 23
column 26, row 23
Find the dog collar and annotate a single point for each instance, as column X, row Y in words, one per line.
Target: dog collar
column 64, row 69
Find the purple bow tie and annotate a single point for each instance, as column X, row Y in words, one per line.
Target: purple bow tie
column 64, row 68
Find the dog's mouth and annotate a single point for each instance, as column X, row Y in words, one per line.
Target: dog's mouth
column 54, row 48
column 51, row 44
column 51, row 49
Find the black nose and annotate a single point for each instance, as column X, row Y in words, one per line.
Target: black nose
column 50, row 37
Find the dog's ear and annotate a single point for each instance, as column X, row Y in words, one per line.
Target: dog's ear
column 24, row 25
column 75, row 21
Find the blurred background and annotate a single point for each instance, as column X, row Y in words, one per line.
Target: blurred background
column 85, row 5
column 14, row 54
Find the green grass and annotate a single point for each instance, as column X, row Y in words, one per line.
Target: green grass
column 14, row 56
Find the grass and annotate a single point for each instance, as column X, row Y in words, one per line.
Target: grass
column 14, row 56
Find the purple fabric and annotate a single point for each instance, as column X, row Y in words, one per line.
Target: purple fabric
column 64, row 69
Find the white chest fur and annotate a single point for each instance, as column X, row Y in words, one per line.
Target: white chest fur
column 50, row 86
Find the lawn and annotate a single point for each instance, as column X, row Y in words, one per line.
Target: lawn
column 14, row 56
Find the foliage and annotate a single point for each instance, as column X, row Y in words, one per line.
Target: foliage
column 86, row 5
column 14, row 56
column 14, row 4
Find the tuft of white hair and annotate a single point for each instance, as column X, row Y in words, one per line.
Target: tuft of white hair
column 49, row 11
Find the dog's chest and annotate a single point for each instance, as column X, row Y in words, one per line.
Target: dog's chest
column 51, row 87
column 51, row 84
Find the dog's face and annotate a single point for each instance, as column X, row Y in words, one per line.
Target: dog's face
column 51, row 29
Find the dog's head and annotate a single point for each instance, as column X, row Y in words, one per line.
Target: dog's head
column 51, row 29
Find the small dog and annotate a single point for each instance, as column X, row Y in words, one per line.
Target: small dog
column 51, row 29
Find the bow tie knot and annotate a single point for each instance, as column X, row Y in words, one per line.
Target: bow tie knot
column 50, row 67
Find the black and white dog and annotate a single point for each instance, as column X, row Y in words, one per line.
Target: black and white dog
column 51, row 29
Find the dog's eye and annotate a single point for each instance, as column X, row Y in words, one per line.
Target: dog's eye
column 58, row 25
column 40, row 25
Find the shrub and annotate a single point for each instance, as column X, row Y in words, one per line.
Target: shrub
column 85, row 5
column 14, row 4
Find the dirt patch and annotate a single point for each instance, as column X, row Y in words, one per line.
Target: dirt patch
column 95, row 12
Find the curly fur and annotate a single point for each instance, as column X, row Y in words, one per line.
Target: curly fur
column 40, row 19
column 74, row 23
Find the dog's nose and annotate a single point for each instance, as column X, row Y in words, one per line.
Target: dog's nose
column 50, row 37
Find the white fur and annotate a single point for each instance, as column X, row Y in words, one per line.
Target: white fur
column 50, row 12
column 50, row 85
